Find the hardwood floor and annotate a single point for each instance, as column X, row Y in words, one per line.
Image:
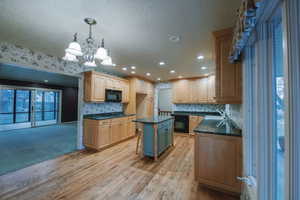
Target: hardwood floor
column 115, row 173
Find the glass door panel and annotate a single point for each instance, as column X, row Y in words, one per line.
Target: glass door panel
column 23, row 100
column 38, row 106
column 279, row 108
column 6, row 106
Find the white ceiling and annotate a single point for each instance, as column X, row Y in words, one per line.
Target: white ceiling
column 136, row 31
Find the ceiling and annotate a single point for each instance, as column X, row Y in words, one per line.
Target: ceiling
column 16, row 73
column 136, row 31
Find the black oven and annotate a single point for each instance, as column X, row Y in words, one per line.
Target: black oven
column 181, row 123
column 113, row 95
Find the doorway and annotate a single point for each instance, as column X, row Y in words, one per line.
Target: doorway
column 28, row 107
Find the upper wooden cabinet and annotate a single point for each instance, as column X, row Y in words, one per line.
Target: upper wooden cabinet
column 228, row 75
column 96, row 83
column 193, row 90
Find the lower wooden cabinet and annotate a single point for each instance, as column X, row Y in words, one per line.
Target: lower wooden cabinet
column 99, row 134
column 218, row 161
column 194, row 122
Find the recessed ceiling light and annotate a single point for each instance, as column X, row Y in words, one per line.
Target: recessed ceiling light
column 124, row 68
column 200, row 57
column 203, row 67
column 148, row 74
column 174, row 38
column 158, row 79
column 114, row 64
column 133, row 67
column 162, row 63
column 179, row 76
column 46, row 81
column 172, row 71
column 133, row 72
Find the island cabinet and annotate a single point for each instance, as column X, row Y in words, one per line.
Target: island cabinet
column 228, row 75
column 218, row 161
column 99, row 134
column 96, row 83
column 157, row 135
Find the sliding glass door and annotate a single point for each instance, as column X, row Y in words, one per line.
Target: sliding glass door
column 23, row 108
column 46, row 107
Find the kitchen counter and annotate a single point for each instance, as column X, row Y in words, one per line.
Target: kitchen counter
column 203, row 114
column 209, row 126
column 154, row 120
column 104, row 116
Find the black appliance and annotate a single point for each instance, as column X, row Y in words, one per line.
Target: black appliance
column 181, row 123
column 113, row 95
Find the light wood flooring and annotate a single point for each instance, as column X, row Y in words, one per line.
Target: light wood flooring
column 115, row 173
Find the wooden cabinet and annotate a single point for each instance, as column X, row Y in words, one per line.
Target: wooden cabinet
column 141, row 94
column 96, row 83
column 218, row 161
column 99, row 134
column 228, row 75
column 194, row 122
column 181, row 91
column 211, row 89
column 199, row 90
column 194, row 90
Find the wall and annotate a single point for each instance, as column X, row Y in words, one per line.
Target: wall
column 20, row 56
column 235, row 112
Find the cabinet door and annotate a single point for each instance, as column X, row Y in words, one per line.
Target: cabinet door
column 125, row 92
column 202, row 90
column 109, row 83
column 228, row 75
column 182, row 91
column 98, row 85
column 211, row 89
column 218, row 161
column 104, row 138
column 115, row 132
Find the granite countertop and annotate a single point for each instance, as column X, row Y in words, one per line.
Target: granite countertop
column 104, row 116
column 195, row 113
column 153, row 120
column 209, row 126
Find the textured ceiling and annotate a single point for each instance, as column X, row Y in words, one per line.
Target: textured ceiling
column 136, row 31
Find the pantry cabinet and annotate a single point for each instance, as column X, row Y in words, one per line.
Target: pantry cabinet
column 96, row 83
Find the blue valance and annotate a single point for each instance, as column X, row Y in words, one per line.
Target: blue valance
column 247, row 15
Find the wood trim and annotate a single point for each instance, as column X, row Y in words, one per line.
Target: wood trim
column 106, row 75
column 222, row 32
column 190, row 78
column 140, row 77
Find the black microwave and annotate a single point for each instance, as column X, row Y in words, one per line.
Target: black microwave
column 113, row 95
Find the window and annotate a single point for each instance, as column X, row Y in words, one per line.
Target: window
column 279, row 108
column 22, row 106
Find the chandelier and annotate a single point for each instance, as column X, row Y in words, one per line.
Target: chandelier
column 89, row 50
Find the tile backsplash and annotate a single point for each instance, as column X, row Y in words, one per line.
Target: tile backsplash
column 198, row 107
column 95, row 108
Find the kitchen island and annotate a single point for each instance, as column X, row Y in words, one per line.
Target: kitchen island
column 157, row 135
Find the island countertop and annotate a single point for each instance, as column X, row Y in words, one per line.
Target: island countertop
column 209, row 126
column 153, row 120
